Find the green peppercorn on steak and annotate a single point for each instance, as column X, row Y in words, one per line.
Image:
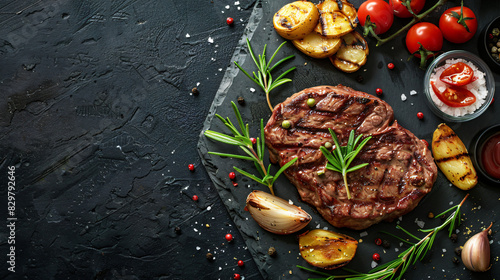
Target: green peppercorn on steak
column 401, row 170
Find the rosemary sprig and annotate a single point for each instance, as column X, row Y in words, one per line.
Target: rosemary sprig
column 242, row 139
column 263, row 77
column 396, row 268
column 342, row 156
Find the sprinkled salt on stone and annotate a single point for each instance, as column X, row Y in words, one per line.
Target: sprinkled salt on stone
column 210, row 40
column 400, row 218
column 252, row 89
column 187, row 35
column 227, row 7
column 403, row 97
column 325, row 228
column 396, row 250
column 363, row 234
column 451, row 203
column 220, row 69
column 173, row 152
column 317, row 226
column 413, row 92
column 290, row 202
column 220, row 268
column 491, row 241
column 209, row 208
column 420, row 223
column 198, row 248
column 479, row 207
column 239, row 9
column 444, row 250
column 229, row 199
column 374, row 264
column 195, row 230
column 457, row 230
column 401, row 244
column 212, row 59
column 236, row 3
column 198, row 83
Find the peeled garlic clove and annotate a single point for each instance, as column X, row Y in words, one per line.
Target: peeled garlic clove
column 275, row 214
column 476, row 252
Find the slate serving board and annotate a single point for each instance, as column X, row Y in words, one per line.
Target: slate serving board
column 479, row 209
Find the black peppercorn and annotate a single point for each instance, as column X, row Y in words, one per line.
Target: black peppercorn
column 455, row 260
column 241, row 101
column 454, row 237
column 195, row 91
column 271, row 252
column 359, row 79
column 458, row 251
column 386, row 244
column 177, row 230
column 210, row 257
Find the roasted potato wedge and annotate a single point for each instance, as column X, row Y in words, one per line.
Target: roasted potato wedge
column 352, row 54
column 327, row 249
column 452, row 158
column 336, row 20
column 296, row 20
column 317, row 46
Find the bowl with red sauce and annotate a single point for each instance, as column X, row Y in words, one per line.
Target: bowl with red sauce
column 485, row 153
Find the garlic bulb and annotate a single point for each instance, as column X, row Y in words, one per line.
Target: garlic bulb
column 275, row 214
column 476, row 252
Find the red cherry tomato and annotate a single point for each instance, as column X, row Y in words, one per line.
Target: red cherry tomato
column 452, row 27
column 455, row 96
column 380, row 13
column 426, row 34
column 458, row 74
column 402, row 12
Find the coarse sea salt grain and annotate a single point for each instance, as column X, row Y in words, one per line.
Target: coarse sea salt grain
column 374, row 264
column 363, row 234
column 210, row 40
column 413, row 92
column 187, row 35
column 403, row 97
column 478, row 88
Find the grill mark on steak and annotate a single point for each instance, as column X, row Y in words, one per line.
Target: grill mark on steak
column 401, row 169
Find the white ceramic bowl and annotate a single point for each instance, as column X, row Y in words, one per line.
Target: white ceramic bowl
column 480, row 64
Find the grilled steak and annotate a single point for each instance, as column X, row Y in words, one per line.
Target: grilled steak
column 401, row 169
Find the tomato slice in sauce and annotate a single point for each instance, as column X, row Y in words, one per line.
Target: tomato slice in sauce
column 454, row 96
column 458, row 74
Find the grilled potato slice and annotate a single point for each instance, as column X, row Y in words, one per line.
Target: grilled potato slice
column 327, row 249
column 352, row 54
column 452, row 158
column 336, row 19
column 296, row 20
column 317, row 46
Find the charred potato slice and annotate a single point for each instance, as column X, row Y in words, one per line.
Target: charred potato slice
column 296, row 20
column 452, row 158
column 336, row 19
column 317, row 46
column 327, row 249
column 352, row 54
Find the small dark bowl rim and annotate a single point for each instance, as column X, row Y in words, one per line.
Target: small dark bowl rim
column 477, row 143
column 484, row 48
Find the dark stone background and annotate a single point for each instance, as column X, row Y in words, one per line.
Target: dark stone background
column 97, row 117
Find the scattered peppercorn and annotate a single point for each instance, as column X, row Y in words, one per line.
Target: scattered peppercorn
column 177, row 230
column 254, row 141
column 458, row 251
column 455, row 260
column 490, row 36
column 311, row 102
column 195, row 91
column 210, row 256
column 241, row 263
column 378, row 241
column 390, row 65
column 359, row 79
column 191, row 167
column 195, row 197
column 229, row 237
column 236, row 276
column 286, row 124
column 232, row 175
column 454, row 237
column 430, row 215
column 235, row 184
column 271, row 251
column 386, row 244
column 420, row 115
column 229, row 21
column 328, row 145
column 241, row 100
column 376, row 257
column 379, row 91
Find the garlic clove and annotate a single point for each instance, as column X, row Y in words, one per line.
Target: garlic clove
column 476, row 252
column 275, row 214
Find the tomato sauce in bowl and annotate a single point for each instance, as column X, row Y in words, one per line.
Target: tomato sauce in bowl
column 490, row 156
